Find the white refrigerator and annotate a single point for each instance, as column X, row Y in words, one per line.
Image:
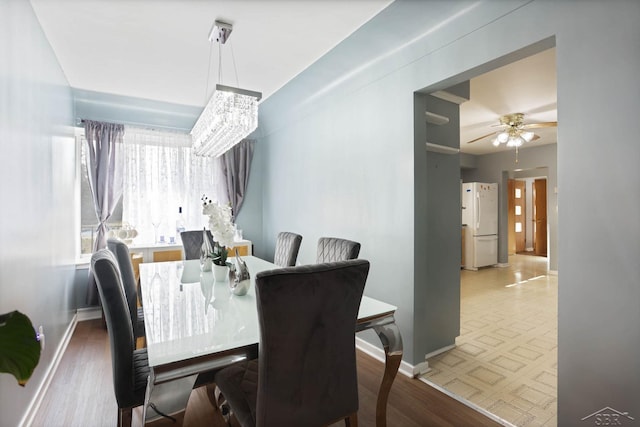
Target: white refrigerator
column 480, row 224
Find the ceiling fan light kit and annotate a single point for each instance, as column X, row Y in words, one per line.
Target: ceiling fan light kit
column 514, row 132
column 231, row 113
column 513, row 138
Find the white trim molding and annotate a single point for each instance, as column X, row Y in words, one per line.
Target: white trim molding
column 33, row 407
column 377, row 353
column 88, row 313
column 439, row 351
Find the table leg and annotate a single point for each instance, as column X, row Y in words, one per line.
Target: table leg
column 391, row 339
column 169, row 388
column 169, row 398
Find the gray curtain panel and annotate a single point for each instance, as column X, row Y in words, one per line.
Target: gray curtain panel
column 104, row 167
column 236, row 164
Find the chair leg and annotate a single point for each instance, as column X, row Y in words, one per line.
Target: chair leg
column 124, row 417
column 211, row 394
column 351, row 420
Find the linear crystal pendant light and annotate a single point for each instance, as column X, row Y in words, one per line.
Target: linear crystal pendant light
column 230, row 115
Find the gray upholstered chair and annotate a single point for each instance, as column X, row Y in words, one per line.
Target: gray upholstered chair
column 130, row 366
column 123, row 257
column 331, row 249
column 192, row 243
column 287, row 247
column 305, row 374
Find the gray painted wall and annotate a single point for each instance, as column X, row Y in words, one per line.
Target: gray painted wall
column 37, row 223
column 437, row 222
column 338, row 147
column 499, row 167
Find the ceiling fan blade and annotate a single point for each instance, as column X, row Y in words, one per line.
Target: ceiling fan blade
column 534, row 137
column 540, row 125
column 479, row 138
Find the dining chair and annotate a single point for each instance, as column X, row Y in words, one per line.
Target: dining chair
column 192, row 243
column 287, row 247
column 130, row 284
column 331, row 249
column 130, row 366
column 305, row 374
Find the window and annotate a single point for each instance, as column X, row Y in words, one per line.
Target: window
column 161, row 175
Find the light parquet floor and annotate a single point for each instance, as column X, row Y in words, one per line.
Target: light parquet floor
column 505, row 359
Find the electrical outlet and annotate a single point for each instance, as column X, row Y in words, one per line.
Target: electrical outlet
column 41, row 336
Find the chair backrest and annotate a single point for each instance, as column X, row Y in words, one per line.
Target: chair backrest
column 192, row 243
column 116, row 312
column 307, row 362
column 121, row 252
column 287, row 247
column 332, row 249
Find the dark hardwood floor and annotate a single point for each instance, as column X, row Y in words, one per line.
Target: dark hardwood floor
column 81, row 393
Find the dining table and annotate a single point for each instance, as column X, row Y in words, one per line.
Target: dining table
column 195, row 325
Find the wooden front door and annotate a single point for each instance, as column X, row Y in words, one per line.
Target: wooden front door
column 519, row 215
column 540, row 217
column 516, row 216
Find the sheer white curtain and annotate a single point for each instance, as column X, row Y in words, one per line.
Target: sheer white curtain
column 161, row 174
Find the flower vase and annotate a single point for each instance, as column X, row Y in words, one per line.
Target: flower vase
column 220, row 272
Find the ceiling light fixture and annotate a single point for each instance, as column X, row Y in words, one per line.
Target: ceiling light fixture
column 514, row 132
column 231, row 113
column 514, row 135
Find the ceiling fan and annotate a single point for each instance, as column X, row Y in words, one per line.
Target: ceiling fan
column 514, row 131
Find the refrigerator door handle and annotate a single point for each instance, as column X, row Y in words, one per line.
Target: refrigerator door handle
column 479, row 210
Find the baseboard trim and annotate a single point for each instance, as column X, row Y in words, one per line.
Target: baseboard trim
column 468, row 403
column 439, row 351
column 377, row 353
column 33, row 407
column 89, row 313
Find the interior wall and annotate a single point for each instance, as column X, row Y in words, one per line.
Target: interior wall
column 599, row 213
column 436, row 266
column 339, row 141
column 338, row 145
column 499, row 167
column 37, row 223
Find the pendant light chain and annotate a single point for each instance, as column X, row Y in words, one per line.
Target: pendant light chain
column 206, row 91
column 220, row 63
column 233, row 58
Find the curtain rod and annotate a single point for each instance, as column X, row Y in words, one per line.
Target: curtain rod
column 80, row 122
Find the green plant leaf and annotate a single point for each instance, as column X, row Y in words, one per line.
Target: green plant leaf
column 19, row 346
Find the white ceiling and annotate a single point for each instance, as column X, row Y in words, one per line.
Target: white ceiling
column 159, row 50
column 527, row 86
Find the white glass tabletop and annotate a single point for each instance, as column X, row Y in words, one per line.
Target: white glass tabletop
column 187, row 314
